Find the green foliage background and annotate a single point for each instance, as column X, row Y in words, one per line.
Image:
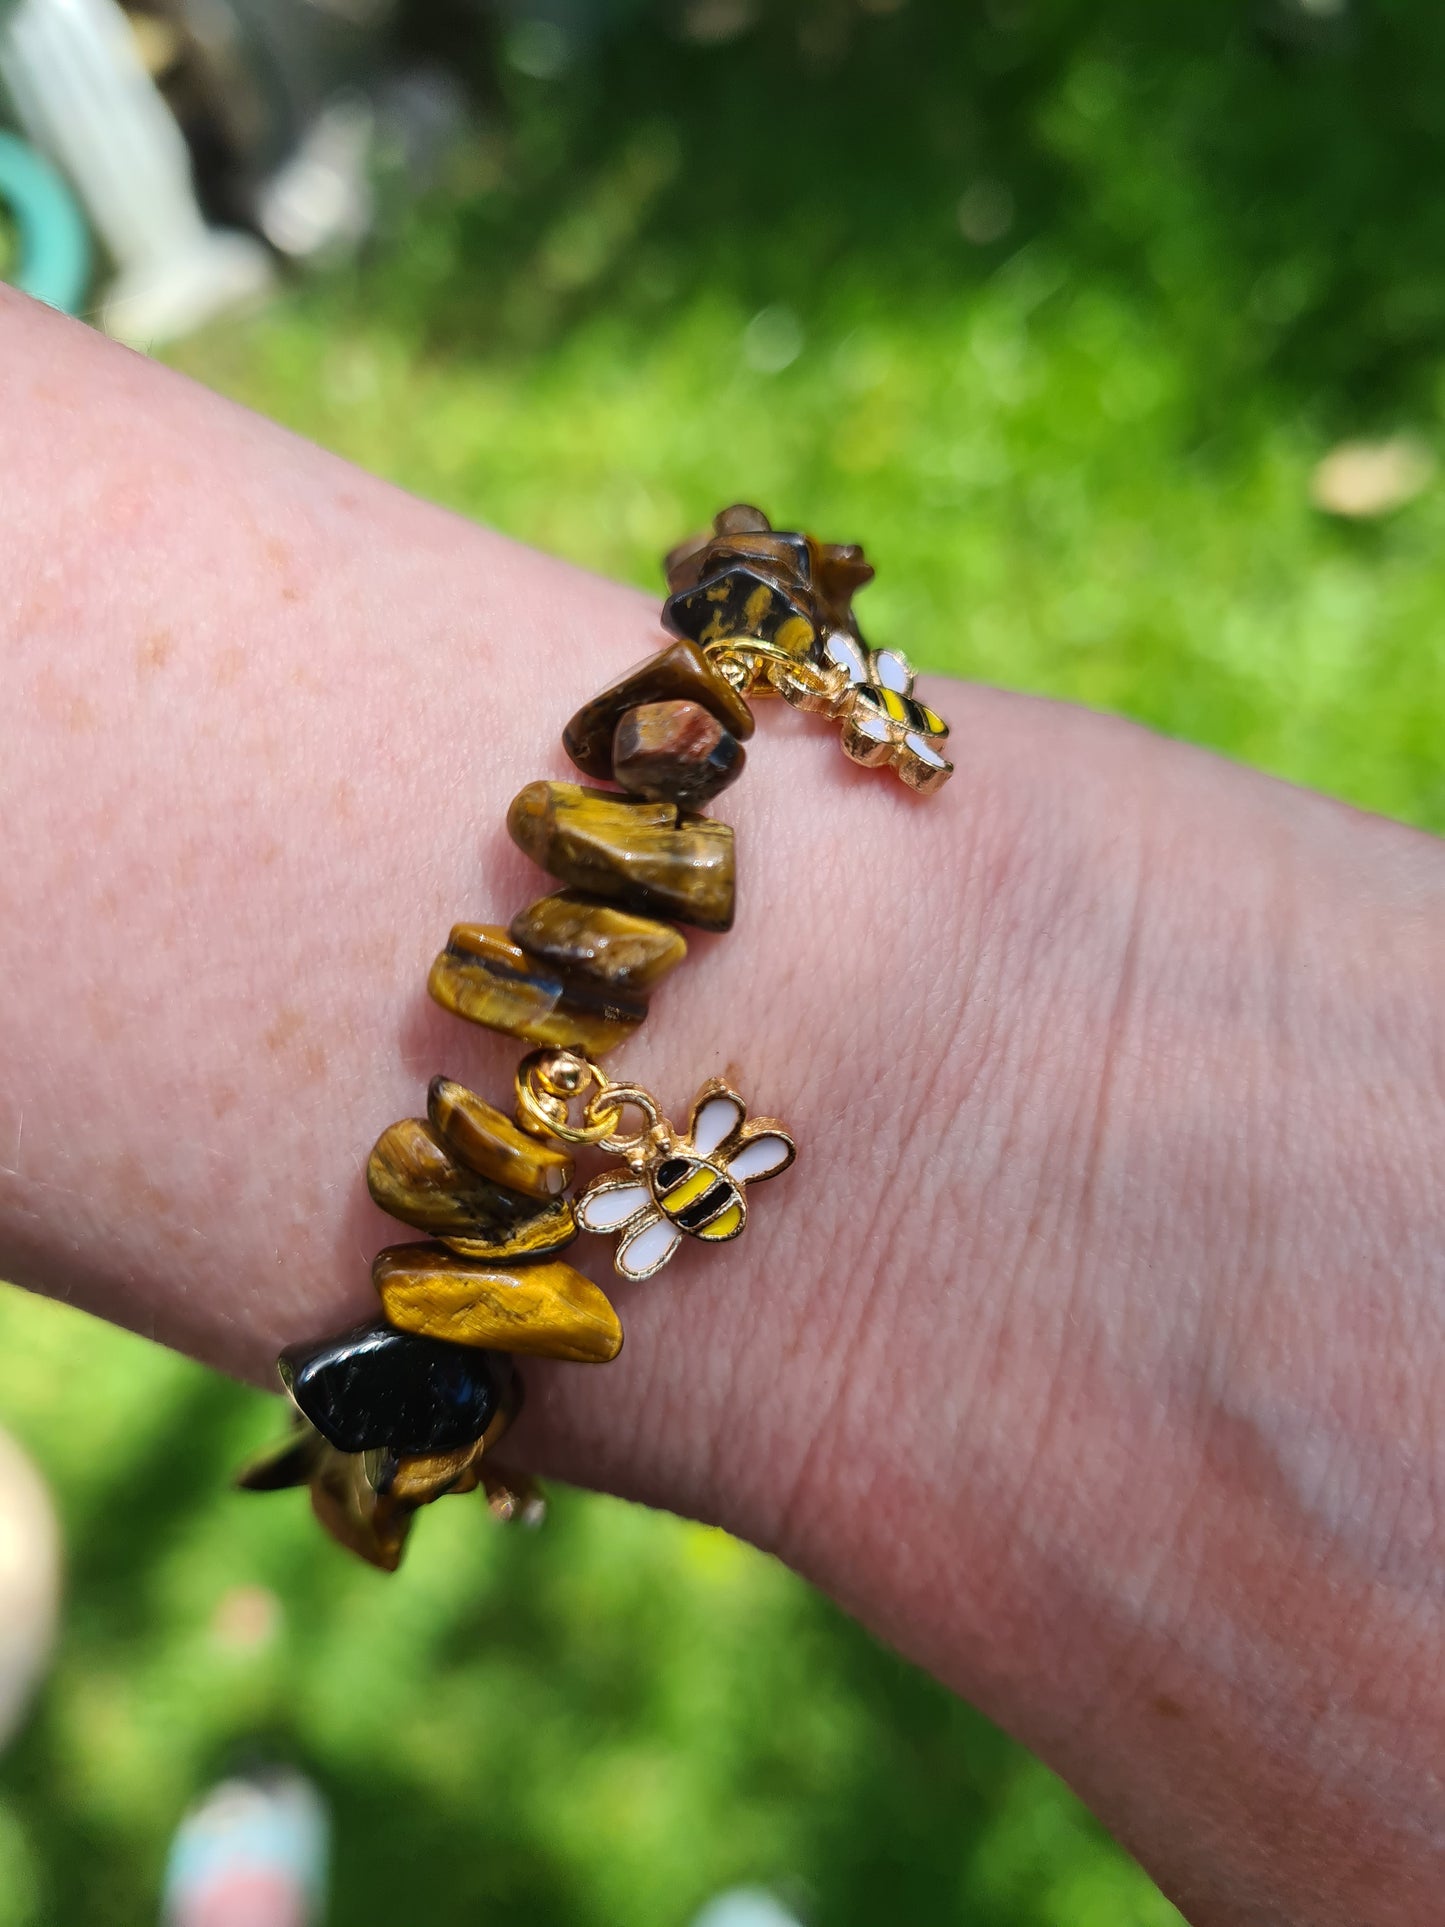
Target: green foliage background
column 1205, row 245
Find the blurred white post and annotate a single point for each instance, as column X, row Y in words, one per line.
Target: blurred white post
column 75, row 75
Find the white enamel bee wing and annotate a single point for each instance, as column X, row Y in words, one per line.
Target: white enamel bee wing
column 891, row 671
column 717, row 1115
column 762, row 1156
column 846, row 654
column 609, row 1203
column 923, row 749
column 647, row 1247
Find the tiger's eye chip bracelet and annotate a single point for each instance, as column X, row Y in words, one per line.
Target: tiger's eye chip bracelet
column 397, row 1412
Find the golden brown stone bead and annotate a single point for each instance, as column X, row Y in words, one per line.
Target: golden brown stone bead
column 743, row 597
column 685, row 564
column 417, row 1479
column 675, row 752
column 548, row 1310
column 412, row 1174
column 513, row 1496
column 491, row 1144
column 484, row 976
column 641, row 855
column 582, row 937
column 718, row 582
column 680, row 672
column 343, row 1500
column 551, row 1229
column 286, row 1461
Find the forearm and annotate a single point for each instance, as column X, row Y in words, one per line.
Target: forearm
column 1089, row 1350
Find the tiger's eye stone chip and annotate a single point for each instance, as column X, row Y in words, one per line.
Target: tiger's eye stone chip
column 675, row 752
column 551, row 1229
column 548, row 1310
column 290, row 1461
column 413, row 1174
column 717, row 583
column 581, row 937
column 492, row 1145
column 743, row 598
column 432, row 1475
column 679, row 673
column 356, row 1517
column 484, row 976
column 641, row 855
column 375, row 1387
column 408, row 1482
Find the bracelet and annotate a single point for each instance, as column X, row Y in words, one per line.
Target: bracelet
column 398, row 1412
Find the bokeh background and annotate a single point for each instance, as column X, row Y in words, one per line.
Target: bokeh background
column 1117, row 331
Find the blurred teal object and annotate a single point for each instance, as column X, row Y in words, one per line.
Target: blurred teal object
column 55, row 255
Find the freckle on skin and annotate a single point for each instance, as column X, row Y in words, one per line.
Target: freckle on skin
column 58, row 702
column 223, row 1099
column 126, row 506
column 137, row 1189
column 313, row 1062
column 155, row 650
column 105, row 1021
column 1167, row 1708
column 281, row 558
column 229, row 665
column 287, row 1027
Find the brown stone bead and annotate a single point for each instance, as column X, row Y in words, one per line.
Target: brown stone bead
column 514, row 1498
column 412, row 1174
column 285, row 1462
column 717, row 582
column 419, row 1480
column 482, row 975
column 840, row 570
column 491, row 1144
column 641, row 855
column 675, row 752
column 682, row 566
column 680, row 672
column 551, row 1229
column 548, row 1310
column 407, row 1481
column 346, row 1505
column 581, row 937
column 743, row 598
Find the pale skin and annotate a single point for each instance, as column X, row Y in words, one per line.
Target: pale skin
column 1093, row 1351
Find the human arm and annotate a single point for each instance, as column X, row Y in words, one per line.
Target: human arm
column 1088, row 1352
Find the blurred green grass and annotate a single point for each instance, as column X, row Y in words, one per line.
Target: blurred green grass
column 1055, row 306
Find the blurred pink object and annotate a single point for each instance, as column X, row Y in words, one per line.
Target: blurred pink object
column 252, row 1853
column 29, row 1583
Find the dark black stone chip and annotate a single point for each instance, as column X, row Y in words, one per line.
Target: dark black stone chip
column 375, row 1387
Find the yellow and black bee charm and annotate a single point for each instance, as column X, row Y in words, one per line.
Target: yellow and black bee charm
column 883, row 721
column 693, row 1184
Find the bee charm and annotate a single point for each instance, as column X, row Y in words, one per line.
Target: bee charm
column 883, row 722
column 693, row 1184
